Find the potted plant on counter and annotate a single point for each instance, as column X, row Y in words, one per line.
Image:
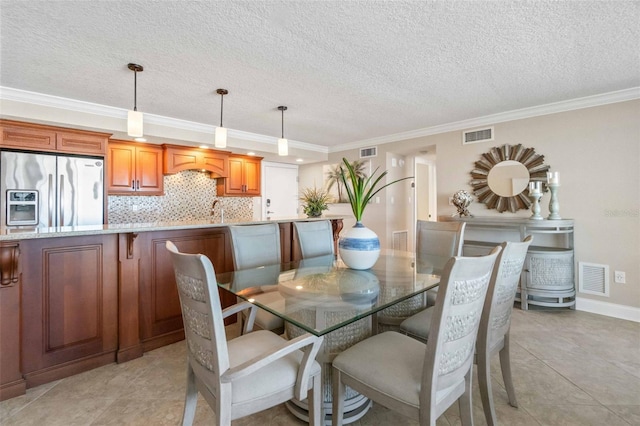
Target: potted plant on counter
column 359, row 247
column 315, row 201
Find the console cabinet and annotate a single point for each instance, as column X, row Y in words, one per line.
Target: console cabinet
column 134, row 169
column 548, row 276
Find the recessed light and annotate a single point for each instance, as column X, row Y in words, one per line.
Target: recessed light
column 140, row 139
column 204, row 146
column 299, row 160
column 251, row 153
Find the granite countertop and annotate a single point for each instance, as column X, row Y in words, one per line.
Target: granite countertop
column 10, row 234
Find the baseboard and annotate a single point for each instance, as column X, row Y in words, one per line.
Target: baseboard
column 629, row 313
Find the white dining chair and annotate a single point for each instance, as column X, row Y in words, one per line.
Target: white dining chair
column 493, row 333
column 315, row 238
column 245, row 375
column 254, row 246
column 421, row 380
column 436, row 243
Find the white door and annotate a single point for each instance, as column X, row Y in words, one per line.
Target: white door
column 280, row 192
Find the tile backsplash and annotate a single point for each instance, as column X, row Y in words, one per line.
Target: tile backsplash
column 188, row 195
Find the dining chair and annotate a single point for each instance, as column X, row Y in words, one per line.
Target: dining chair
column 436, row 243
column 315, row 238
column 421, row 380
column 493, row 333
column 254, row 246
column 245, row 375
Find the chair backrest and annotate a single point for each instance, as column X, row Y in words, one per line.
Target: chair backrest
column 437, row 242
column 496, row 315
column 454, row 326
column 255, row 245
column 315, row 238
column 202, row 315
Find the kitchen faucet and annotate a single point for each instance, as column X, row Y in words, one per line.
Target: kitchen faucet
column 213, row 209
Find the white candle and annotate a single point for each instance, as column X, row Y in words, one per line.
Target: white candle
column 553, row 177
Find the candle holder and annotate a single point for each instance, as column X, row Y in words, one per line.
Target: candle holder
column 535, row 207
column 554, row 205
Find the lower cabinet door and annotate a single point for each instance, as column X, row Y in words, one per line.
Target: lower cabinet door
column 69, row 305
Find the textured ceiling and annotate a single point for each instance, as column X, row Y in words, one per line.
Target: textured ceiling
column 348, row 71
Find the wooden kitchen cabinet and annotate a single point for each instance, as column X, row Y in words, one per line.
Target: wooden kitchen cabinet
column 69, row 307
column 37, row 137
column 134, row 169
column 243, row 177
column 160, row 321
column 11, row 381
column 179, row 158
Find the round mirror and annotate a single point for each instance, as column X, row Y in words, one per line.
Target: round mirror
column 501, row 176
column 508, row 178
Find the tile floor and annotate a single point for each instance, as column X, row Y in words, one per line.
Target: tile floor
column 569, row 367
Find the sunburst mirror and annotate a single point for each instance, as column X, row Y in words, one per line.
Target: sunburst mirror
column 501, row 178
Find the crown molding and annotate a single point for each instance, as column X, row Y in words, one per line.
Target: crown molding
column 41, row 99
column 17, row 95
column 518, row 114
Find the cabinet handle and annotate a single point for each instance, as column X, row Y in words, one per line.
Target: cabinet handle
column 133, row 185
column 137, row 185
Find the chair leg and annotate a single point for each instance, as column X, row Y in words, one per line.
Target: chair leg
column 190, row 399
column 338, row 389
column 484, row 383
column 314, row 398
column 505, row 365
column 464, row 403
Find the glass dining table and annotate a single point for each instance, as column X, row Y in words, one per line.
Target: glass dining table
column 323, row 297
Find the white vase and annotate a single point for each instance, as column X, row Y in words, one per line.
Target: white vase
column 359, row 247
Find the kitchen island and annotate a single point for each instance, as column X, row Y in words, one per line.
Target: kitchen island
column 75, row 298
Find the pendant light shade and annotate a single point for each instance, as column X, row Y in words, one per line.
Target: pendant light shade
column 134, row 118
column 221, row 132
column 283, row 144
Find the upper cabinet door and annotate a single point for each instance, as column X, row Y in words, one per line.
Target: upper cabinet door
column 243, row 178
column 134, row 169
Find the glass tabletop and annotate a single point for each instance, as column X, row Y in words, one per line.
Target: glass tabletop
column 321, row 294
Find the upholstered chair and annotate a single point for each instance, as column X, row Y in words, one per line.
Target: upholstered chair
column 247, row 374
column 315, row 238
column 493, row 334
column 436, row 243
column 254, row 246
column 416, row 379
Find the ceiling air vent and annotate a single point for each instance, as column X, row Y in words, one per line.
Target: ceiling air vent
column 477, row 135
column 593, row 279
column 369, row 152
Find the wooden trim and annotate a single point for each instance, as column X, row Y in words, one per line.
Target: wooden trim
column 69, row 368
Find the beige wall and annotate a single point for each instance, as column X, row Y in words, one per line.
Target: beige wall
column 597, row 153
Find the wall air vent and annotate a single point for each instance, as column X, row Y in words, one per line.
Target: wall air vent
column 477, row 135
column 593, row 279
column 369, row 152
column 400, row 239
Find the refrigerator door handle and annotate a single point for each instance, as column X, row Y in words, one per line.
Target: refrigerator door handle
column 51, row 200
column 61, row 200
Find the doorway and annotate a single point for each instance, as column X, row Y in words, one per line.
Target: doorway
column 279, row 190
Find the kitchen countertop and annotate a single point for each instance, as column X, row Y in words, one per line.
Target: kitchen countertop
column 12, row 234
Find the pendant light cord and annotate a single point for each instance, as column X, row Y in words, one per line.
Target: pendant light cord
column 135, row 90
column 221, row 107
column 282, row 123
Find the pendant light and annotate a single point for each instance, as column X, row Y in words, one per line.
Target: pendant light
column 283, row 145
column 221, row 132
column 134, row 118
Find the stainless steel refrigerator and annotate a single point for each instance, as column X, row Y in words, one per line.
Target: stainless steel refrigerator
column 45, row 190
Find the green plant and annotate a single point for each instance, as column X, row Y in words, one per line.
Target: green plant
column 315, row 200
column 361, row 189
